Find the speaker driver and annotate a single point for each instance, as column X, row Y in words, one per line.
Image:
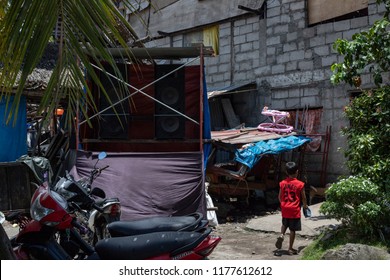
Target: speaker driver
column 170, row 124
column 170, row 96
column 110, row 126
column 170, row 127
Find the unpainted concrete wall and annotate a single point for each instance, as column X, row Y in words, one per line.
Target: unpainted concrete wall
column 289, row 60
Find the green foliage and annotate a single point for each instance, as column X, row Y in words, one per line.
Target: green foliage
column 368, row 51
column 361, row 201
column 357, row 202
column 368, row 151
column 88, row 29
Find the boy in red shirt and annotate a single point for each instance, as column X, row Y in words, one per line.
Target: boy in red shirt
column 291, row 195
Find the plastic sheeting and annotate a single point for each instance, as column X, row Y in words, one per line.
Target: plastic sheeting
column 251, row 154
column 149, row 184
column 13, row 136
column 40, row 167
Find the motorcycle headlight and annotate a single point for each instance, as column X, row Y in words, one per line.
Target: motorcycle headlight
column 37, row 210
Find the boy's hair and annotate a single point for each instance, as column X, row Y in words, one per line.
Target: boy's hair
column 291, row 168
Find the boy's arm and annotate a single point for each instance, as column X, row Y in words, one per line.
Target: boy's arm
column 304, row 200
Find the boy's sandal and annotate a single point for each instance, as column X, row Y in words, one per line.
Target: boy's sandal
column 292, row 252
column 279, row 242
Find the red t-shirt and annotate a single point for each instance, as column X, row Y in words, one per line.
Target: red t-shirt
column 290, row 199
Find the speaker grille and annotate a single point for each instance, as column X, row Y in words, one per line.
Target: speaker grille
column 169, row 127
column 111, row 125
column 170, row 90
column 111, row 128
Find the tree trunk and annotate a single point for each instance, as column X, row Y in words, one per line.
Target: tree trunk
column 6, row 252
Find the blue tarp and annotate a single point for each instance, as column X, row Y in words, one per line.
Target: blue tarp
column 13, row 136
column 252, row 153
column 206, row 123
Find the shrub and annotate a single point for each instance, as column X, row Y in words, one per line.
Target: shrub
column 368, row 150
column 357, row 202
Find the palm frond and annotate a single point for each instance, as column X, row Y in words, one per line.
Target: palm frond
column 88, row 28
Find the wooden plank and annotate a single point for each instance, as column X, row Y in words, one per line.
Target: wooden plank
column 230, row 115
column 4, row 198
column 217, row 120
column 322, row 10
column 19, row 189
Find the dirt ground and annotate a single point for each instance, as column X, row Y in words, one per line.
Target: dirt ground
column 242, row 243
column 239, row 243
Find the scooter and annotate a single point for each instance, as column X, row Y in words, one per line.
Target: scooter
column 51, row 213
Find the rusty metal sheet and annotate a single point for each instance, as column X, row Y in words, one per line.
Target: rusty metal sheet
column 245, row 136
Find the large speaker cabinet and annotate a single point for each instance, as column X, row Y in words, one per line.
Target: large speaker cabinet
column 146, row 125
column 170, row 90
column 113, row 123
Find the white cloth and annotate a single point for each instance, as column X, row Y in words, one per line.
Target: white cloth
column 211, row 214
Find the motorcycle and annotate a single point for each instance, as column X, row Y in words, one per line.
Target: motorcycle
column 106, row 223
column 95, row 220
column 109, row 209
column 51, row 213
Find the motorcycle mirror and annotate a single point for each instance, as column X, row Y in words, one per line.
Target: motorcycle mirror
column 102, row 155
column 98, row 192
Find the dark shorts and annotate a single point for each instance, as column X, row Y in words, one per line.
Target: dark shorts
column 292, row 224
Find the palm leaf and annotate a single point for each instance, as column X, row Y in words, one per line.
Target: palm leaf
column 88, row 28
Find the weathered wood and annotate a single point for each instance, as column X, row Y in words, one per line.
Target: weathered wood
column 6, row 252
column 15, row 189
column 229, row 113
column 322, row 10
column 19, row 187
column 4, row 198
column 192, row 14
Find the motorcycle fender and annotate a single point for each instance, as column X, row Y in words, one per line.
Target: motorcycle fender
column 92, row 218
column 108, row 204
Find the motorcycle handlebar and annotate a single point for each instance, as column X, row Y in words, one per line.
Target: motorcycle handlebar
column 96, row 172
column 101, row 169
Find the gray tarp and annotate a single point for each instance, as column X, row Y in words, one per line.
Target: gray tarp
column 149, row 184
column 39, row 166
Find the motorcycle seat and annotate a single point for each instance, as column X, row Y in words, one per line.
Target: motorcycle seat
column 157, row 224
column 149, row 245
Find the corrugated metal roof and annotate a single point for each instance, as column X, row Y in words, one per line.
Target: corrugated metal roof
column 245, row 136
column 237, row 87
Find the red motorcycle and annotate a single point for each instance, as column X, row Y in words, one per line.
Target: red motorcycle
column 51, row 214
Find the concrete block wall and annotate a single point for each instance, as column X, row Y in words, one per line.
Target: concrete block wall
column 298, row 68
column 290, row 62
column 294, row 61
